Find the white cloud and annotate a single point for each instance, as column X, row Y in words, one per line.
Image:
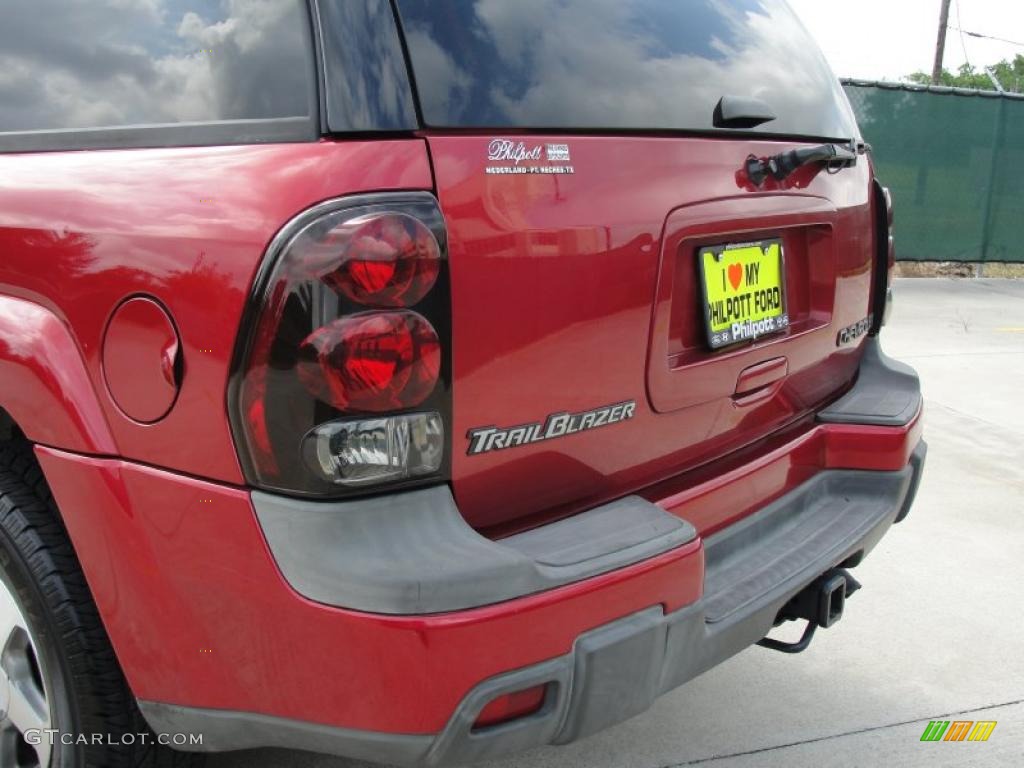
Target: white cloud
column 436, row 66
column 129, row 62
column 193, row 28
column 597, row 70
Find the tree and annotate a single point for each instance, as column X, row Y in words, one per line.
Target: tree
column 1009, row 73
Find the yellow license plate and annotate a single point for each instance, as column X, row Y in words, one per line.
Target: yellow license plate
column 744, row 291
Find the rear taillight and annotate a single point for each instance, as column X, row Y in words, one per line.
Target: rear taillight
column 342, row 380
column 385, row 261
column 372, row 451
column 373, row 361
column 885, row 257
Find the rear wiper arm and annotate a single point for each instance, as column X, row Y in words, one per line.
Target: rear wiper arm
column 779, row 166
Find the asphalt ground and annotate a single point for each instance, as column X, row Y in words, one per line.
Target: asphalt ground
column 936, row 633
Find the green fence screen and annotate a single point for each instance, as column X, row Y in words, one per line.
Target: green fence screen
column 954, row 160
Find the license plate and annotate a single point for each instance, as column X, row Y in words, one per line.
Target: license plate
column 744, row 291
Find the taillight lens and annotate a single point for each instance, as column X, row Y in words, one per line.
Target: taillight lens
column 372, row 451
column 342, row 376
column 375, row 361
column 885, row 257
column 890, row 253
column 385, row 261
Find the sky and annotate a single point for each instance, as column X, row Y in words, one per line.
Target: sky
column 889, row 39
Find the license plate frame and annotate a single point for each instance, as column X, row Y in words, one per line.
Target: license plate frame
column 734, row 314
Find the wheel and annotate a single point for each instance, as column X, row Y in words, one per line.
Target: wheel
column 24, row 700
column 58, row 671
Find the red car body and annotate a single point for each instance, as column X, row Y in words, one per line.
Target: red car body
column 568, row 292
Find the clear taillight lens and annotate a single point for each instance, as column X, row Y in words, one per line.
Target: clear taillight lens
column 371, row 451
column 342, row 380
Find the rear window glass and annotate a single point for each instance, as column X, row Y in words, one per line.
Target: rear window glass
column 618, row 64
column 83, row 64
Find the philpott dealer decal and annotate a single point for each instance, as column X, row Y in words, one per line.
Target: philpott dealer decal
column 508, row 157
column 484, row 439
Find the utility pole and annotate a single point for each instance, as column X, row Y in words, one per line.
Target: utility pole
column 940, row 44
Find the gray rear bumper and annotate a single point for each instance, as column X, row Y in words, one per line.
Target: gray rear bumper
column 616, row 671
column 414, row 554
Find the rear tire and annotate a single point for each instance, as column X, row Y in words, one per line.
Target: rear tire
column 57, row 667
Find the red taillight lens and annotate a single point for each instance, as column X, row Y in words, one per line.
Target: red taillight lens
column 342, row 377
column 389, row 260
column 376, row 362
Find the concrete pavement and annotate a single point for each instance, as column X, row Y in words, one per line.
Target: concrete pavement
column 936, row 633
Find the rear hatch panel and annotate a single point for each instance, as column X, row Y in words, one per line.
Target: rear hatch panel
column 583, row 154
column 576, row 291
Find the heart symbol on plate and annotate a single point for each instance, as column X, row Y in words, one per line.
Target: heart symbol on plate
column 735, row 275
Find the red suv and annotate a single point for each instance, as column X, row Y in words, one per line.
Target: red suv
column 421, row 382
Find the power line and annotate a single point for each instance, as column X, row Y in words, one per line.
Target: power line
column 986, row 37
column 962, row 43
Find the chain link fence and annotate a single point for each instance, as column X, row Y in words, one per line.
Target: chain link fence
column 954, row 160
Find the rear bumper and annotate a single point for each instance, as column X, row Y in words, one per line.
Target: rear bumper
column 617, row 670
column 219, row 637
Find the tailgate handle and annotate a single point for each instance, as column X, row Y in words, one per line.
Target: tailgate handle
column 754, row 383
